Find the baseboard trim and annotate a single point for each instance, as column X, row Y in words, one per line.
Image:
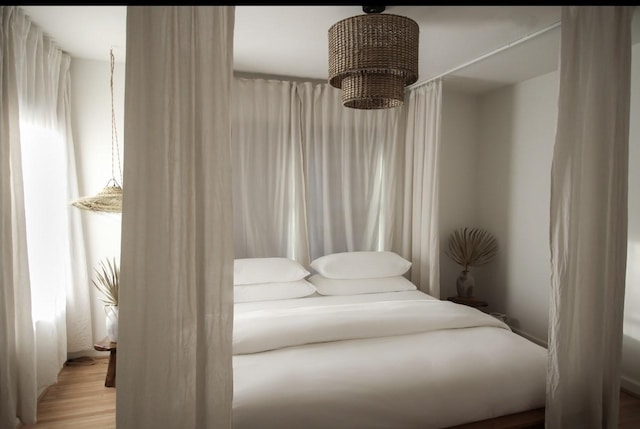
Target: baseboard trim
column 630, row 385
column 91, row 353
column 530, row 337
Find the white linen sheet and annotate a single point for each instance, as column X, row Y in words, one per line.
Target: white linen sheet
column 423, row 363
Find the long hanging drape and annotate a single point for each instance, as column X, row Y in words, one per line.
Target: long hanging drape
column 176, row 296
column 351, row 173
column 268, row 188
column 312, row 177
column 45, row 295
column 589, row 218
column 18, row 391
column 420, row 242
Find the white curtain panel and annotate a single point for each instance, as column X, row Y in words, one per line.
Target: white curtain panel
column 78, row 284
column 589, row 218
column 312, row 177
column 420, row 242
column 353, row 177
column 176, row 302
column 45, row 297
column 18, row 391
column 268, row 182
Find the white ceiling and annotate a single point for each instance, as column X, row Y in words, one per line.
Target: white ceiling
column 291, row 41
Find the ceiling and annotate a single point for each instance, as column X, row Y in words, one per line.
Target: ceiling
column 291, row 41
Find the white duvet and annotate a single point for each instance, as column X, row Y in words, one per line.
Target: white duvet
column 395, row 360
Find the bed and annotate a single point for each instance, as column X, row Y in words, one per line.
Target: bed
column 386, row 358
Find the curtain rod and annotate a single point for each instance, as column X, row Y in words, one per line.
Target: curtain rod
column 487, row 55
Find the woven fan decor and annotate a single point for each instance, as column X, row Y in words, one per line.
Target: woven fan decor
column 471, row 247
column 110, row 198
column 372, row 58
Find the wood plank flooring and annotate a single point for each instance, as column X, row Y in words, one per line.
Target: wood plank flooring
column 629, row 412
column 80, row 401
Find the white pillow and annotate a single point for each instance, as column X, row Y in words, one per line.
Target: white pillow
column 327, row 286
column 271, row 291
column 361, row 265
column 267, row 270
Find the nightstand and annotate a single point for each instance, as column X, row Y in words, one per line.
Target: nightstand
column 107, row 346
column 471, row 301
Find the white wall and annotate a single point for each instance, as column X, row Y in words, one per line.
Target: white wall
column 517, row 134
column 458, row 171
column 509, row 196
column 495, row 171
column 91, row 124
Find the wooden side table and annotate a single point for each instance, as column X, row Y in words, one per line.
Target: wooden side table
column 471, row 301
column 108, row 346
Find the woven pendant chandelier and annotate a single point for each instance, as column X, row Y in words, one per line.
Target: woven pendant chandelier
column 110, row 198
column 373, row 57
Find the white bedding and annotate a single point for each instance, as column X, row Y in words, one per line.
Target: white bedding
column 391, row 360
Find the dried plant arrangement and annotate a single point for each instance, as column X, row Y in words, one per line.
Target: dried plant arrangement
column 471, row 247
column 107, row 282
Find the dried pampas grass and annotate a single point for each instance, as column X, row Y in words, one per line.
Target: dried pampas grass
column 471, row 247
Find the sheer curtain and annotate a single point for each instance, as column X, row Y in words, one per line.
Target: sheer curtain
column 420, row 242
column 176, row 302
column 45, row 299
column 352, row 173
column 589, row 218
column 268, row 184
column 312, row 177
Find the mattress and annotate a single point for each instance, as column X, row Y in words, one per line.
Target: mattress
column 385, row 360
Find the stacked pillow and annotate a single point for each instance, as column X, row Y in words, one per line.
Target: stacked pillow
column 265, row 279
column 353, row 273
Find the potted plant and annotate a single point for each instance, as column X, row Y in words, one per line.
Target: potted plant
column 107, row 282
column 470, row 247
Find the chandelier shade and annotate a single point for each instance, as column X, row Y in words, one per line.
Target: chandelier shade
column 108, row 200
column 372, row 58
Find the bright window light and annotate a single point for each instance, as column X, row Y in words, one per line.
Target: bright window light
column 631, row 324
column 44, row 167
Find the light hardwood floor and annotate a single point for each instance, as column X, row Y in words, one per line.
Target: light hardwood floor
column 80, row 401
